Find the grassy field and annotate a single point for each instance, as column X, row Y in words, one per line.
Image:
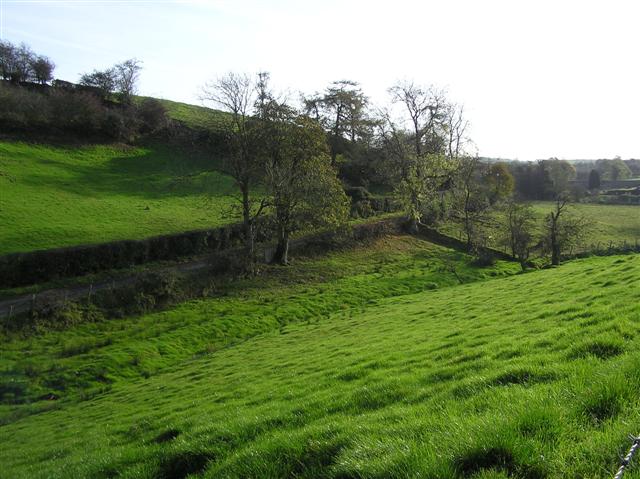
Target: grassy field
column 605, row 223
column 91, row 358
column 381, row 365
column 54, row 196
column 194, row 116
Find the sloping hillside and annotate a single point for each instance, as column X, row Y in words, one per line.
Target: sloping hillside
column 52, row 196
column 532, row 375
column 195, row 116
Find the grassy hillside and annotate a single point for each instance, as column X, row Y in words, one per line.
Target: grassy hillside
column 91, row 358
column 531, row 375
column 60, row 196
column 194, row 116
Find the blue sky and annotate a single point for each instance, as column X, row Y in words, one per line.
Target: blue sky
column 538, row 79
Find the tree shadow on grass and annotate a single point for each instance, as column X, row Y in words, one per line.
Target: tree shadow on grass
column 156, row 173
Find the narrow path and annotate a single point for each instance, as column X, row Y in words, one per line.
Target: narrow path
column 24, row 303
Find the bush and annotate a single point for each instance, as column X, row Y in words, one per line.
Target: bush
column 20, row 269
column 58, row 316
column 77, row 112
column 357, row 193
column 484, row 257
column 362, row 209
column 68, row 108
column 21, row 109
column 153, row 115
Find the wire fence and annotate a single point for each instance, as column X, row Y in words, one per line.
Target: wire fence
column 626, row 461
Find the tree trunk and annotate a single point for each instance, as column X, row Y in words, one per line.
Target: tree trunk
column 412, row 226
column 555, row 253
column 468, row 231
column 281, row 255
column 247, row 224
column 555, row 247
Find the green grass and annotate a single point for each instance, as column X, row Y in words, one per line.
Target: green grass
column 530, row 375
column 194, row 116
column 311, row 288
column 605, row 223
column 53, row 196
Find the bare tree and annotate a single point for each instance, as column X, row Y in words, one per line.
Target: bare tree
column 126, row 78
column 23, row 64
column 425, row 108
column 239, row 94
column 7, row 59
column 457, row 126
column 420, row 152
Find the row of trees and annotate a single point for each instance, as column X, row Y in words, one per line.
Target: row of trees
column 100, row 105
column 291, row 162
column 295, row 161
column 541, row 180
column 297, row 154
column 21, row 64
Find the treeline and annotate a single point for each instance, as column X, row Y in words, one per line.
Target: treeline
column 101, row 104
column 20, row 64
column 540, row 180
column 74, row 111
column 300, row 165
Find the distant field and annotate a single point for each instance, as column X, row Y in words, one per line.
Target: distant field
column 387, row 369
column 61, row 196
column 606, row 223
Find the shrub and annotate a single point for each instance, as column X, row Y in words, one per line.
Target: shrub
column 362, row 209
column 19, row 269
column 357, row 193
column 153, row 115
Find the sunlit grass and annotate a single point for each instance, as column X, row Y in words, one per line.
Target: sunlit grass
column 606, row 224
column 530, row 375
column 53, row 196
column 90, row 358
